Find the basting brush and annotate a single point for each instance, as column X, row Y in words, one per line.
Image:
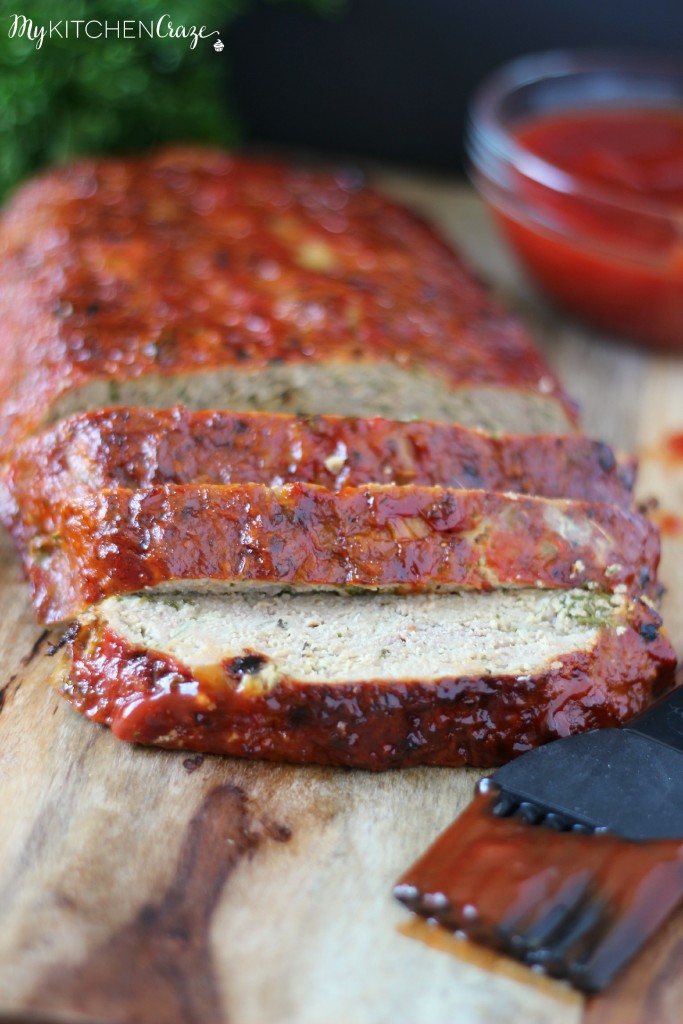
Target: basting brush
column 570, row 857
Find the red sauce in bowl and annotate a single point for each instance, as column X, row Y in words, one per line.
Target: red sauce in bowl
column 637, row 152
column 607, row 240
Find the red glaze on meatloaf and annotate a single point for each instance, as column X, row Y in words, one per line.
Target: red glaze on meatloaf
column 188, row 260
column 139, row 448
column 408, row 538
column 147, row 697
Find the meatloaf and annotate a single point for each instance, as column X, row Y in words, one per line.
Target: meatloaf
column 409, row 538
column 375, row 682
column 272, row 591
column 198, row 277
column 139, row 448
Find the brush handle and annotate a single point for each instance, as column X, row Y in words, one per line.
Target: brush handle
column 663, row 721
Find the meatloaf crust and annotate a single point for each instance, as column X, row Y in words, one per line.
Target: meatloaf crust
column 147, row 696
column 413, row 538
column 139, row 448
column 189, row 261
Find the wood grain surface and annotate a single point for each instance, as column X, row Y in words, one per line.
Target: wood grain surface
column 145, row 887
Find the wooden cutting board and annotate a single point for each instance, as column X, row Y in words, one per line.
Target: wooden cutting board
column 144, row 887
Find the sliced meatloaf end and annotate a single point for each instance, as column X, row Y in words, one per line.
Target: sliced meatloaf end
column 204, row 278
column 380, row 536
column 343, row 387
column 378, row 682
column 137, row 448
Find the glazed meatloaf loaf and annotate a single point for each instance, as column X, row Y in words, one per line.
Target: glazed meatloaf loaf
column 404, row 538
column 245, row 592
column 374, row 682
column 139, row 448
column 223, row 283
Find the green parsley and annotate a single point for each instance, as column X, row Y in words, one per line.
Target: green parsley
column 85, row 96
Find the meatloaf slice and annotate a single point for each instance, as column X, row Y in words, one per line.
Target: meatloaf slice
column 139, row 448
column 384, row 681
column 220, row 282
column 408, row 538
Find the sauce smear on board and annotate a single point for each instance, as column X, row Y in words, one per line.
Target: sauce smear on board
column 674, row 447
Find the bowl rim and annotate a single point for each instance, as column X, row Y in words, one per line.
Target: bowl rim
column 485, row 129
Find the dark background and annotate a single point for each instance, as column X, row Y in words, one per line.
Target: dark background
column 391, row 78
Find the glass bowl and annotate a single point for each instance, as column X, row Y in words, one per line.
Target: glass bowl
column 612, row 257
